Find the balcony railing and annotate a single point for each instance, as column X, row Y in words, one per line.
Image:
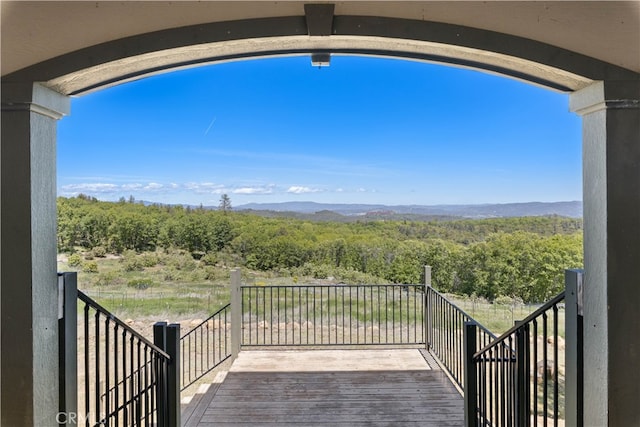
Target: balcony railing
column 205, row 346
column 445, row 331
column 123, row 379
column 333, row 315
column 522, row 378
column 518, row 378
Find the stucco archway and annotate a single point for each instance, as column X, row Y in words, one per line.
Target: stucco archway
column 34, row 97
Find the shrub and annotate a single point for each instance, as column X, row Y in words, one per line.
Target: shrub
column 149, row 259
column 212, row 273
column 170, row 274
column 131, row 262
column 140, row 284
column 209, row 259
column 106, row 279
column 196, row 275
column 100, row 251
column 506, row 300
column 75, row 260
column 354, row 277
column 90, row 267
column 181, row 261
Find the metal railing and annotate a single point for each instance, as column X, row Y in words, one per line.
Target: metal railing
column 205, row 346
column 445, row 333
column 519, row 378
column 123, row 377
column 332, row 315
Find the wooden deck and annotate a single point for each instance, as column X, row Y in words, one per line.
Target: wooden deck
column 329, row 388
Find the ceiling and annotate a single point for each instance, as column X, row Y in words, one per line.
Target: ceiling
column 33, row 32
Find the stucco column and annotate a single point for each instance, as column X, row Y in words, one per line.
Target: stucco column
column 29, row 293
column 611, row 172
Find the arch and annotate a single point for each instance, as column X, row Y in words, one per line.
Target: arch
column 134, row 57
column 607, row 95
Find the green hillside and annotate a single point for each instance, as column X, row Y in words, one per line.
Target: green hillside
column 523, row 257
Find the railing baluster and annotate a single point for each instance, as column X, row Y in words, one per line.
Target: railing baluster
column 106, row 367
column 87, row 401
column 115, row 373
column 97, row 365
column 350, row 316
column 145, row 401
column 535, row 367
column 335, row 296
column 545, row 385
column 278, row 315
column 343, row 323
column 124, row 375
column 132, row 390
column 556, row 366
column 138, row 398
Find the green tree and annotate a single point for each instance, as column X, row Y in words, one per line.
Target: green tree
column 225, row 203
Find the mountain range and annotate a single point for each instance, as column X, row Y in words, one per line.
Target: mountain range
column 572, row 209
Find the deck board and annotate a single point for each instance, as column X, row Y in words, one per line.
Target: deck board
column 332, row 387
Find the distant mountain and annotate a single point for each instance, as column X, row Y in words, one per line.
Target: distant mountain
column 567, row 209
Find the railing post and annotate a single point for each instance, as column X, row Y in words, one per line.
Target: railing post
column 522, row 375
column 173, row 380
column 236, row 313
column 470, row 375
column 160, row 340
column 427, row 306
column 68, row 347
column 574, row 347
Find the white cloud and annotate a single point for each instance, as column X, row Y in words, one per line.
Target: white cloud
column 205, row 187
column 132, row 187
column 302, row 190
column 154, row 186
column 267, row 189
column 147, row 190
column 109, row 188
column 100, row 188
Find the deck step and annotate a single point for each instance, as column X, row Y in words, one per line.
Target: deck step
column 192, row 409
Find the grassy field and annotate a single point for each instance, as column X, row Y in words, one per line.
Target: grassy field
column 171, row 285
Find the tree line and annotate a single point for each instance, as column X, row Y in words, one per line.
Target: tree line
column 516, row 257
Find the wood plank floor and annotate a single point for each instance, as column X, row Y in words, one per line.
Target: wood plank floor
column 330, row 387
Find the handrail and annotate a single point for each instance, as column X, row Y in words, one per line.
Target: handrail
column 548, row 305
column 199, row 325
column 464, row 313
column 96, row 306
column 202, row 349
column 515, row 380
column 445, row 331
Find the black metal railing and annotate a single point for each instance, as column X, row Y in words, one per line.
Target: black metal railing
column 519, row 378
column 327, row 315
column 123, row 377
column 445, row 333
column 205, row 346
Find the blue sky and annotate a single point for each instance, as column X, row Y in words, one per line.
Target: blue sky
column 364, row 130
